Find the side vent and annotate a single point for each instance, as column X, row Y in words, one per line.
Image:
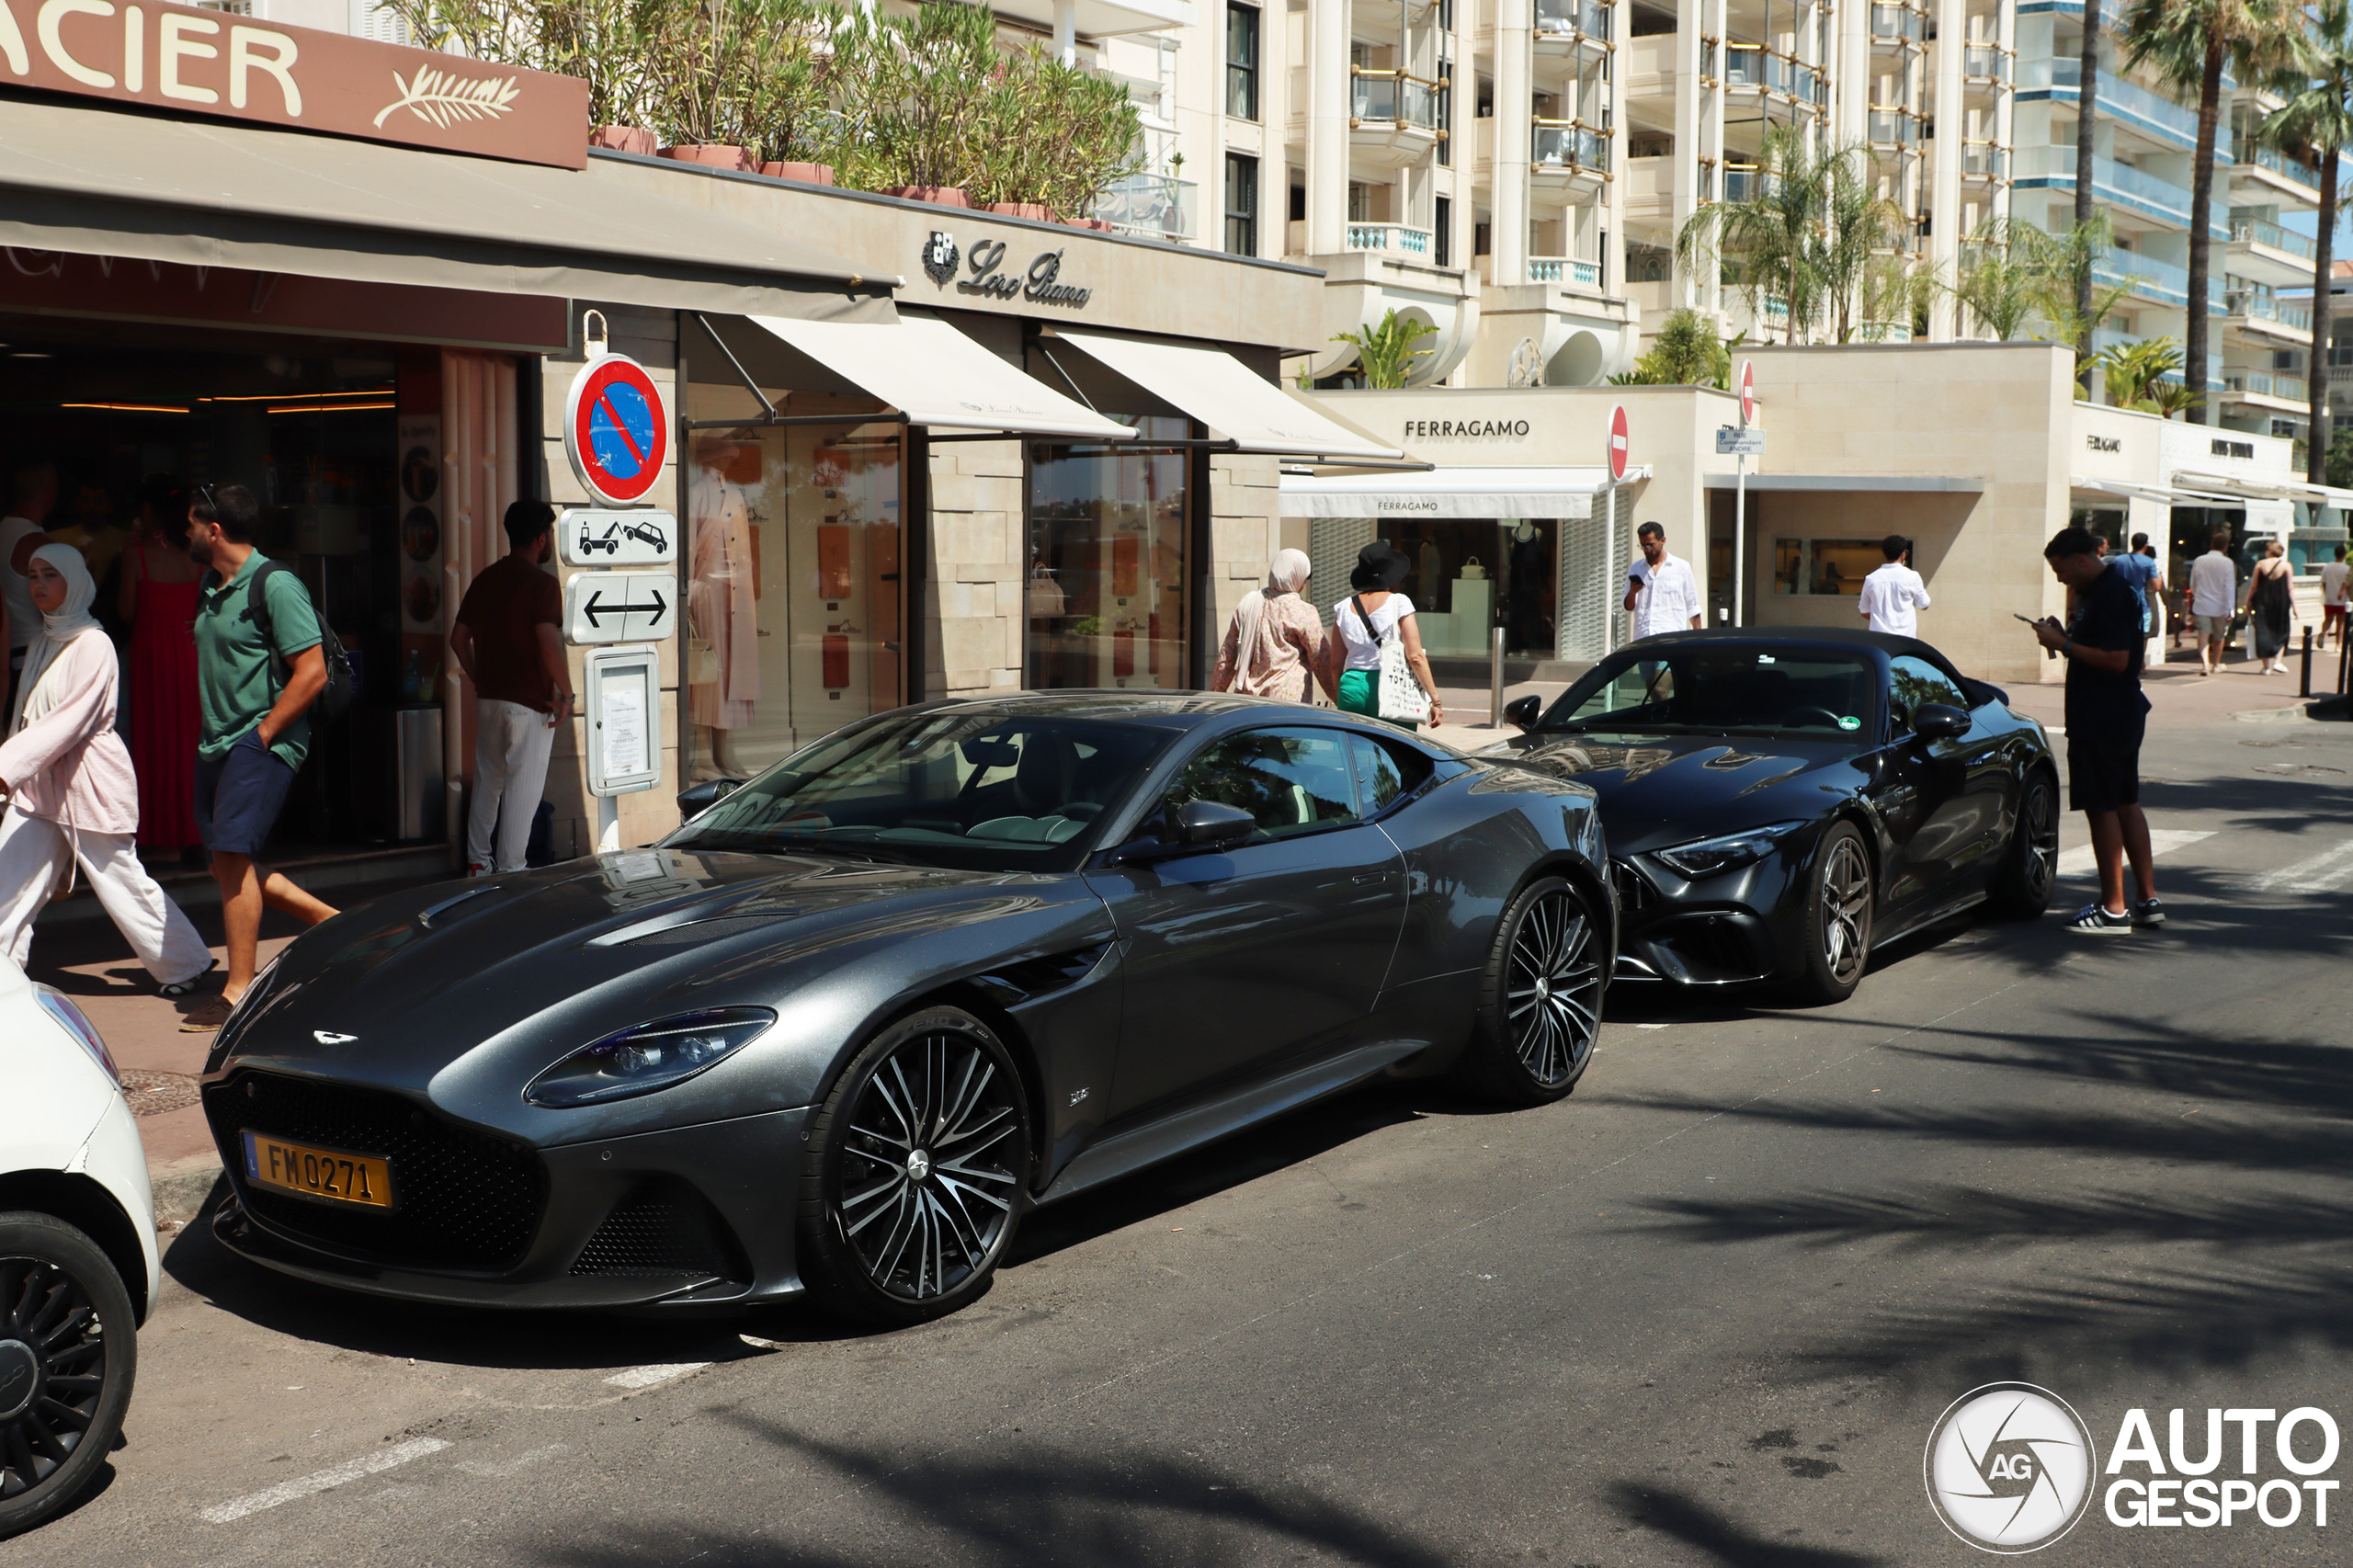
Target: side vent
column 1029, row 979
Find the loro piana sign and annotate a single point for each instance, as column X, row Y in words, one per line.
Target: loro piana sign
column 215, row 62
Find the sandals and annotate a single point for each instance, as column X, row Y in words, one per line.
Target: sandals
column 181, row 988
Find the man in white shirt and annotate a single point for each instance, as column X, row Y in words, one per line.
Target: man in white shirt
column 2332, row 600
column 1894, row 596
column 35, row 494
column 2214, row 595
column 1662, row 593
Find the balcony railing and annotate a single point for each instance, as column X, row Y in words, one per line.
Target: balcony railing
column 1158, row 206
column 1395, row 237
column 1393, row 96
column 1569, row 144
column 1746, row 182
column 2117, row 182
column 1747, row 66
column 1985, row 62
column 2152, row 112
column 1894, row 128
column 1565, row 269
column 2267, row 307
column 1899, row 24
column 2287, row 386
column 1564, row 17
column 1984, row 159
column 2280, row 163
column 2264, row 233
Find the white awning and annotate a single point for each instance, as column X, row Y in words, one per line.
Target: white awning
column 2230, row 487
column 2130, row 490
column 937, row 376
column 2321, row 495
column 1452, row 493
column 1226, row 395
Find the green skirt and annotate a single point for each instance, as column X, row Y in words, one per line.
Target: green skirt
column 1360, row 693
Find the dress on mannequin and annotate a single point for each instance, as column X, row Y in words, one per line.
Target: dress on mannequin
column 722, row 608
column 1530, row 628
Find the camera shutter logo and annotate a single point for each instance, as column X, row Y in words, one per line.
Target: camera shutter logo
column 2010, row 1468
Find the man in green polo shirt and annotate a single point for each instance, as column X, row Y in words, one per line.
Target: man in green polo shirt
column 255, row 691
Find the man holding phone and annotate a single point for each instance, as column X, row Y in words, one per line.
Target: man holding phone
column 1661, row 590
column 2106, row 715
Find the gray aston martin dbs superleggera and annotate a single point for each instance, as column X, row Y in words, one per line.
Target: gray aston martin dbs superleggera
column 840, row 1030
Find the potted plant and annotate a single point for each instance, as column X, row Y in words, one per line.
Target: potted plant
column 915, row 88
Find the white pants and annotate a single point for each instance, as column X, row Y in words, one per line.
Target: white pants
column 35, row 854
column 511, row 746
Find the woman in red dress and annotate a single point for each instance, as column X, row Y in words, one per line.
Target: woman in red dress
column 158, row 599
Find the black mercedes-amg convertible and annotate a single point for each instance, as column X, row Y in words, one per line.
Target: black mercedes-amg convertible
column 841, row 1029
column 1780, row 803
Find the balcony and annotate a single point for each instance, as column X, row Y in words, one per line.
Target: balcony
column 2151, row 114
column 2264, row 233
column 1567, row 154
column 1393, row 116
column 2155, row 279
column 1769, row 71
column 2263, row 315
column 2055, row 167
column 1566, row 27
column 2294, row 171
column 1985, row 62
column 1895, row 129
column 1896, row 26
column 1744, row 182
column 2286, row 388
column 1565, row 269
column 1984, row 159
column 1397, row 239
column 1156, row 207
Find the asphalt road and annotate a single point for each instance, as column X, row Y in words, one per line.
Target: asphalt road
column 1704, row 1311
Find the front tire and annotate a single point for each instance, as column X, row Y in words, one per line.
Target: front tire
column 2030, row 871
column 1839, row 909
column 69, row 1350
column 916, row 1172
column 1540, row 999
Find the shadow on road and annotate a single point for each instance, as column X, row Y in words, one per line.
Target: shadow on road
column 1679, row 1514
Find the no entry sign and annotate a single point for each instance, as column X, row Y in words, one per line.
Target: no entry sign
column 1617, row 443
column 1748, row 392
column 616, row 430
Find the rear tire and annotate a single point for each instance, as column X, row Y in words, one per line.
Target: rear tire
column 1839, row 917
column 916, row 1172
column 1540, row 998
column 69, row 1351
column 2030, row 873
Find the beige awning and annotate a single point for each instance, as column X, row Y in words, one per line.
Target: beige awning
column 109, row 182
column 937, row 376
column 1224, row 394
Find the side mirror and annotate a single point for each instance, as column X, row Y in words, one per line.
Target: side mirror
column 1523, row 711
column 1940, row 722
column 1201, row 825
column 697, row 799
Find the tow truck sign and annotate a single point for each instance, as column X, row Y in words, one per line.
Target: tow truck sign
column 591, row 536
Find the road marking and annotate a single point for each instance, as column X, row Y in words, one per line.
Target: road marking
column 646, row 1377
column 2078, row 861
column 325, row 1480
column 500, row 1469
column 2314, row 873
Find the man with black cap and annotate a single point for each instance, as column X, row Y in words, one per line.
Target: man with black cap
column 1367, row 618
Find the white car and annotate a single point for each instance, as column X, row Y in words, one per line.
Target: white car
column 78, row 1268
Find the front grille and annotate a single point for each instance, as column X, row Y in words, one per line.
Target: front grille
column 663, row 1230
column 467, row 1199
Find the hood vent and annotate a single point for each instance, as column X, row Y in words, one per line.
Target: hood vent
column 693, row 933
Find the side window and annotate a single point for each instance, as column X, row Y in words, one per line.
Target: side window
column 1379, row 779
column 1289, row 780
column 1911, row 682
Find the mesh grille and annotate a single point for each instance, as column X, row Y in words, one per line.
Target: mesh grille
column 663, row 1230
column 466, row 1200
column 1592, row 583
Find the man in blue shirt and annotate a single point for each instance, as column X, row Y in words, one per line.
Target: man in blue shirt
column 2139, row 570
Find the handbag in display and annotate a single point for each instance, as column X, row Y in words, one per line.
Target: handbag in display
column 1401, row 697
column 702, row 661
column 1473, row 572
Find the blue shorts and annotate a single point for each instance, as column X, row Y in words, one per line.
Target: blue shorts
column 238, row 796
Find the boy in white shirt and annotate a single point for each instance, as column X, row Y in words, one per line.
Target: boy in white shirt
column 2332, row 600
column 1894, row 596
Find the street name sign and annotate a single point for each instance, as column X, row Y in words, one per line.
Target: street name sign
column 1732, row 441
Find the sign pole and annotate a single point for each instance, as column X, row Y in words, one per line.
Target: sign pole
column 1619, row 446
column 1739, row 531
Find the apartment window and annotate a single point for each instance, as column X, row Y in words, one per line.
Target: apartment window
column 1484, row 105
column 1241, row 62
column 1446, row 112
column 1241, row 204
column 1442, row 219
column 1298, row 204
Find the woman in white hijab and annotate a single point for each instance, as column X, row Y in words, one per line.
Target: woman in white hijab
column 72, row 796
column 1276, row 638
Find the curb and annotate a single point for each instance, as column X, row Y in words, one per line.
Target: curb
column 181, row 1196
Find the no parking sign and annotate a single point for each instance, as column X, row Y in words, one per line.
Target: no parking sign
column 616, row 429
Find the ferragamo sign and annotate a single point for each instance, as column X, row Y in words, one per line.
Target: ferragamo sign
column 215, row 62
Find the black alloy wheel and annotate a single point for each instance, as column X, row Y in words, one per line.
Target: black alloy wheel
column 917, row 1171
column 1838, row 917
column 68, row 1352
column 1539, row 1003
column 2030, row 871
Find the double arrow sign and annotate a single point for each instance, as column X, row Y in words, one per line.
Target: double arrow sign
column 596, row 610
column 619, row 606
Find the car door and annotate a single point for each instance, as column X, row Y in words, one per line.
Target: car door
column 1237, row 960
column 1952, row 795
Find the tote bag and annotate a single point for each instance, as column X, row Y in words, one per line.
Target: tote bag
column 1401, row 698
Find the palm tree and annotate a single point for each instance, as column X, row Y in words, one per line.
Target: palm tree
column 1768, row 241
column 2067, row 292
column 2188, row 42
column 1858, row 224
column 1386, row 353
column 1998, row 278
column 2087, row 109
column 2318, row 117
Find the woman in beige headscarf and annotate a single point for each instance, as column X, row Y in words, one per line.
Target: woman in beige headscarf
column 1275, row 639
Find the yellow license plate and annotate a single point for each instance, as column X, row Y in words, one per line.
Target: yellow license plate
column 336, row 1175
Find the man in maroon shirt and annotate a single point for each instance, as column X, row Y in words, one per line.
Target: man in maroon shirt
column 509, row 640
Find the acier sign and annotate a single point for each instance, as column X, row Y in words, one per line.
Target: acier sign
column 188, row 60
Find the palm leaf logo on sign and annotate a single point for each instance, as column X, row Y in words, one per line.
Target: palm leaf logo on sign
column 444, row 98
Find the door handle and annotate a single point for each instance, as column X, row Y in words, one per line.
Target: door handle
column 1362, row 878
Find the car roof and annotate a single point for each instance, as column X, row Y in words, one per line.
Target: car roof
column 1803, row 636
column 1183, row 709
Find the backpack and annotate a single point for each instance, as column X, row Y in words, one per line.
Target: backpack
column 335, row 698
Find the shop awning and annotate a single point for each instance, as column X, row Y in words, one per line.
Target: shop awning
column 1226, row 395
column 1452, row 493
column 120, row 183
column 935, row 376
column 2228, row 487
column 1873, row 483
column 2127, row 490
column 2321, row 495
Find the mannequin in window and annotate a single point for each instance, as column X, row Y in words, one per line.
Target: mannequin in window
column 722, row 610
column 1531, row 570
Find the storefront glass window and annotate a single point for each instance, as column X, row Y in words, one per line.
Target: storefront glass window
column 1803, row 566
column 1108, row 572
column 795, row 590
column 1471, row 574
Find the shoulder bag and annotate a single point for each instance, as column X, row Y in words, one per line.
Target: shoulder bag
column 1401, row 698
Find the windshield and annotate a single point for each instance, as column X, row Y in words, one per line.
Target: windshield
column 973, row 791
column 1721, row 688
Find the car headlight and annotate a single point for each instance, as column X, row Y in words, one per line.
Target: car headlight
column 647, row 1057
column 1707, row 857
column 55, row 1005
